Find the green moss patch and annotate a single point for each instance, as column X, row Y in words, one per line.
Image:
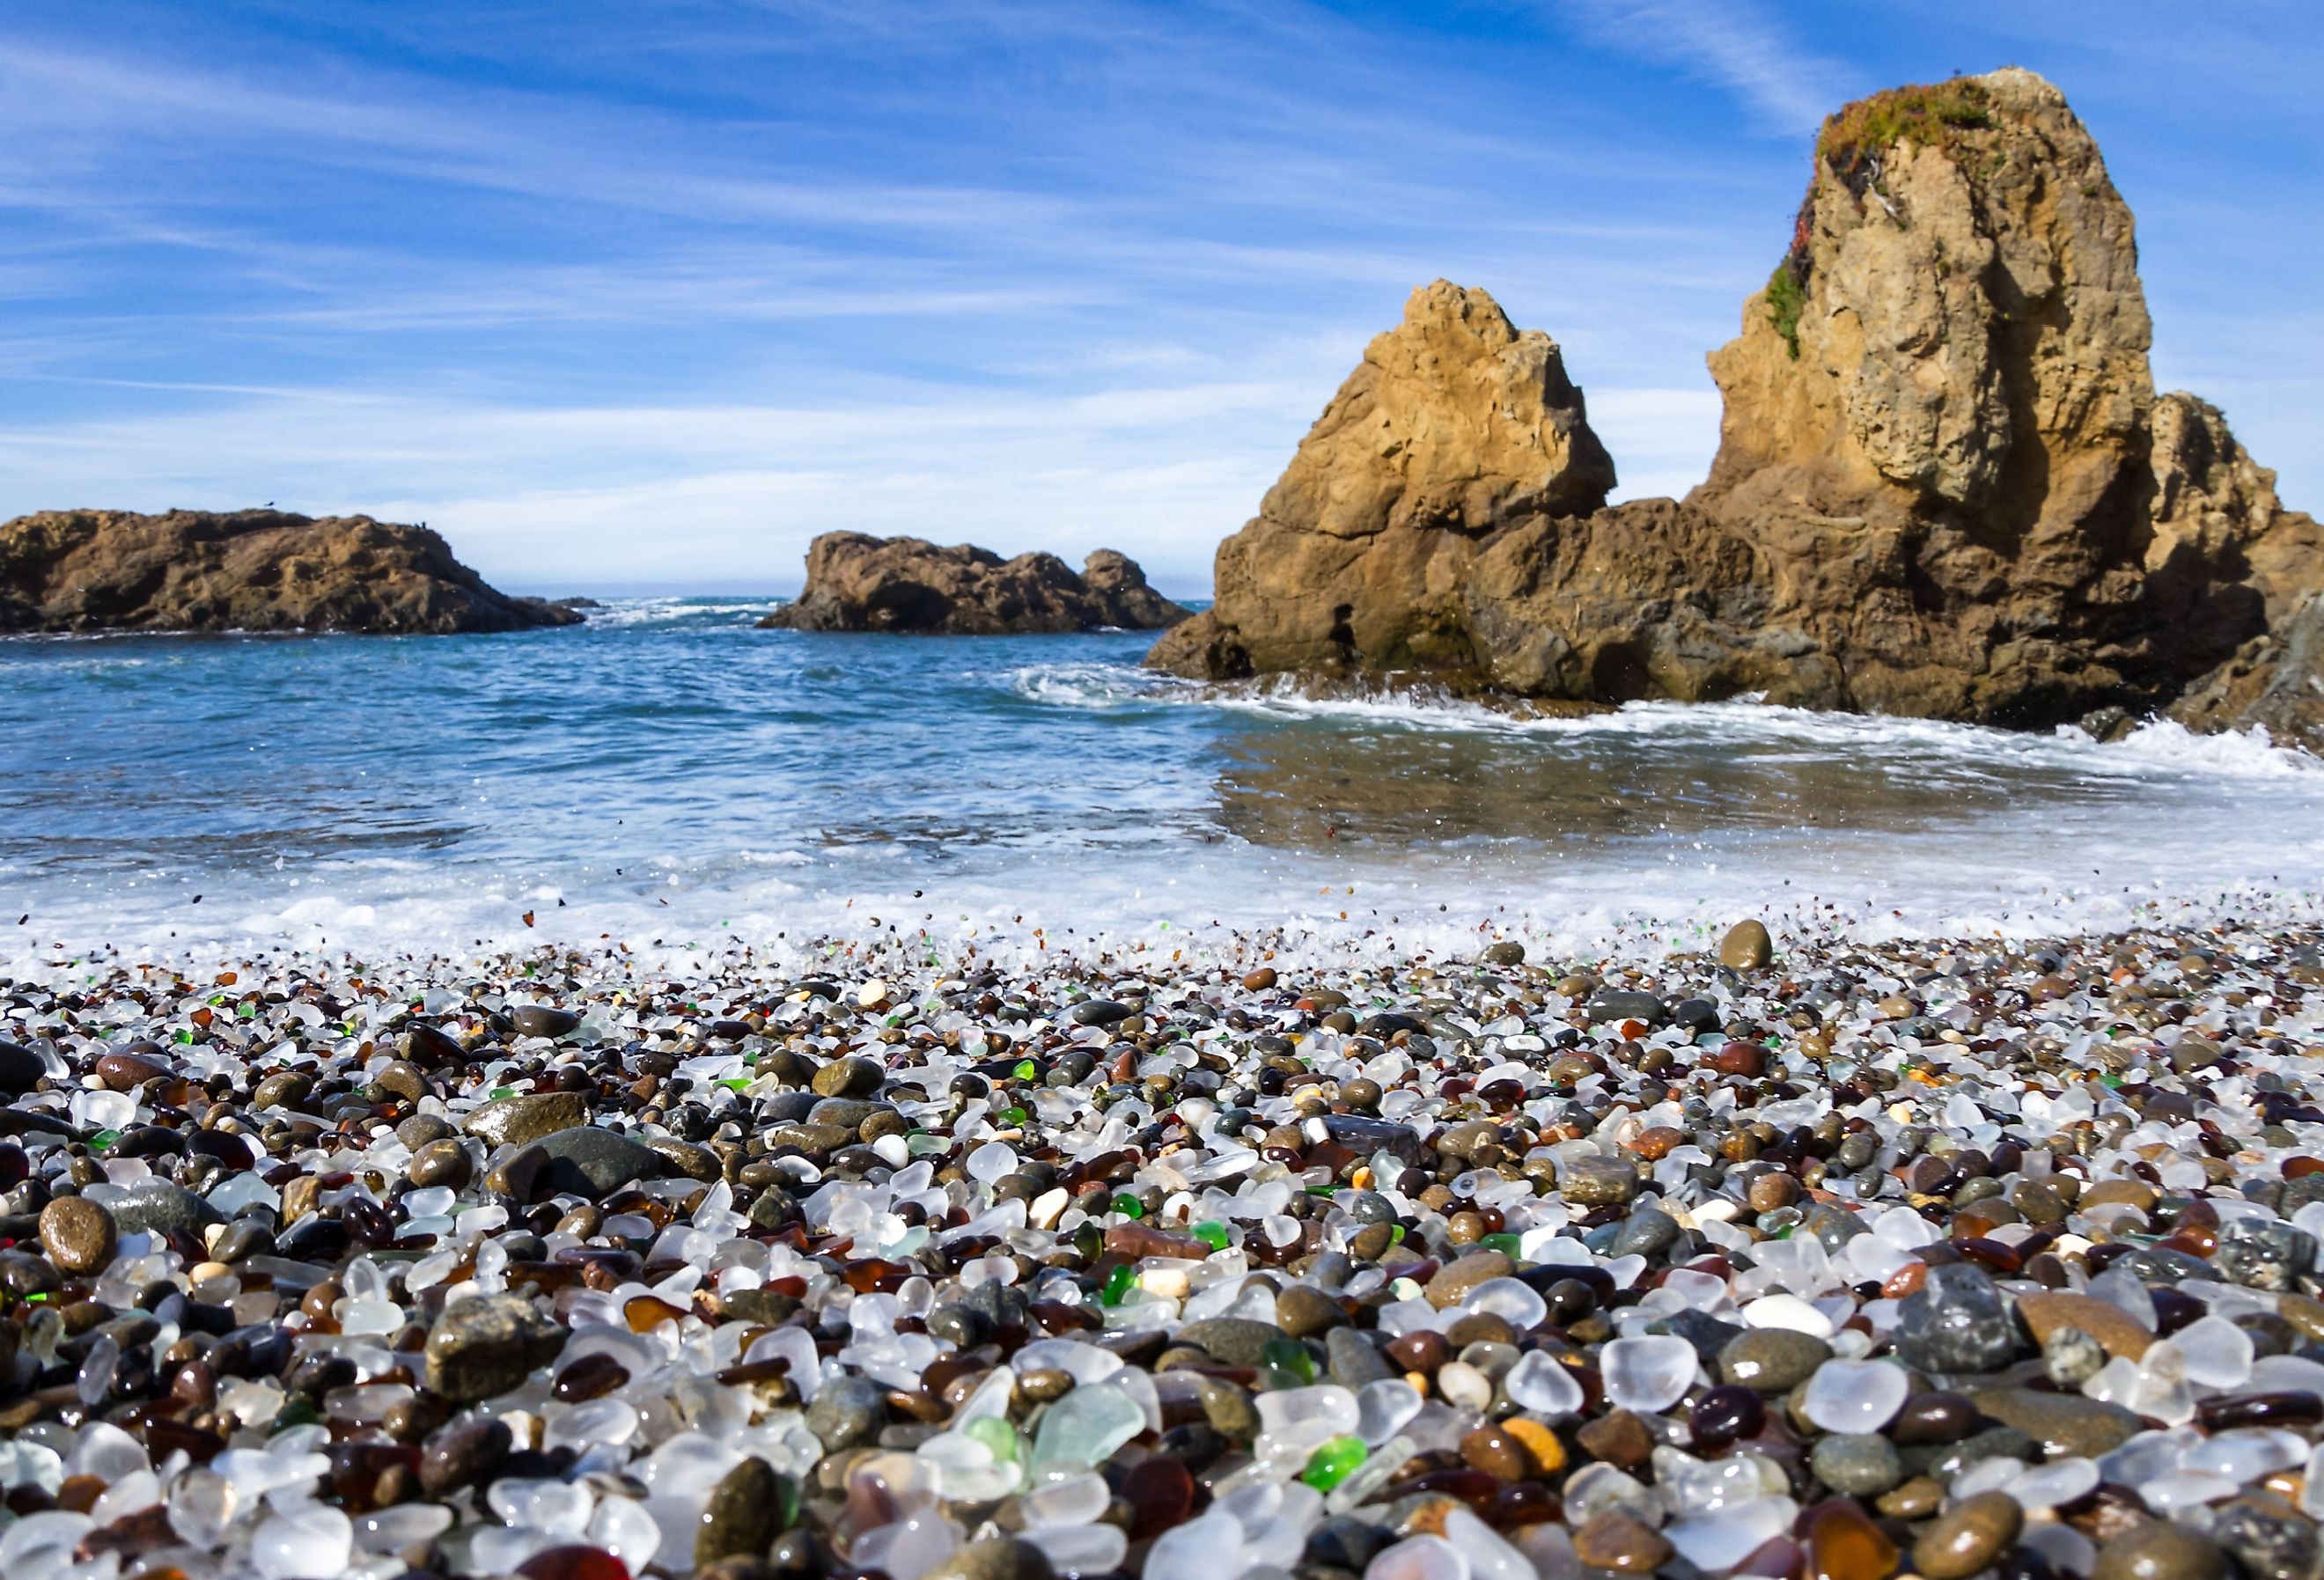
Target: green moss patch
column 1785, row 296
column 1931, row 115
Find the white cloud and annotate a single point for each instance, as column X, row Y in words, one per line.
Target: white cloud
column 1730, row 44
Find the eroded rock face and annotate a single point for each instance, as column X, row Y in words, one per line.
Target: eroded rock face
column 1456, row 426
column 1945, row 485
column 248, row 570
column 856, row 582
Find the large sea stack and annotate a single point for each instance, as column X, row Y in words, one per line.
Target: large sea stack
column 856, row 582
column 1945, row 485
column 87, row 570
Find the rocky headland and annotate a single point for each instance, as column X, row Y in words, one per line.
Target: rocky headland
column 857, row 582
column 90, row 571
column 1946, row 486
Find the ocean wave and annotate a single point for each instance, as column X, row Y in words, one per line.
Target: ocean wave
column 2160, row 746
column 666, row 613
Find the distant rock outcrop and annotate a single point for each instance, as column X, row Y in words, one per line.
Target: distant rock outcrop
column 1945, row 485
column 85, row 570
column 855, row 582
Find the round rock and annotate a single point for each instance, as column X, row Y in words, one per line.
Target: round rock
column 78, row 1236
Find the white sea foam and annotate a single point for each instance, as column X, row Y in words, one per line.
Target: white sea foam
column 662, row 775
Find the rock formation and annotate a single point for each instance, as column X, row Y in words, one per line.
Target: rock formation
column 87, row 570
column 1945, row 486
column 855, row 582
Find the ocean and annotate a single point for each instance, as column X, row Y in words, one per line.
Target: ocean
column 668, row 777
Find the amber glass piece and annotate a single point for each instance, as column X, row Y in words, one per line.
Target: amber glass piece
column 644, row 1313
column 1843, row 1544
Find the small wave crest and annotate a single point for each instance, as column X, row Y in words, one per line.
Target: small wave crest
column 668, row 613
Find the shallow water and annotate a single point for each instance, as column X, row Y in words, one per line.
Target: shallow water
column 668, row 773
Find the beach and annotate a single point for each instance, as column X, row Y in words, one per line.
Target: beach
column 865, row 1258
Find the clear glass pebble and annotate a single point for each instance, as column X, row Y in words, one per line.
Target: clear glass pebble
column 1649, row 1374
column 1416, row 1557
column 1855, row 1396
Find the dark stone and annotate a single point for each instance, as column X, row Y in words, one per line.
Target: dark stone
column 2263, row 1253
column 847, row 1412
column 487, row 1344
column 542, row 1019
column 1954, row 1322
column 743, row 1516
column 1620, row 1004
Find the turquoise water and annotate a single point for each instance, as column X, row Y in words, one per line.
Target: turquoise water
column 666, row 772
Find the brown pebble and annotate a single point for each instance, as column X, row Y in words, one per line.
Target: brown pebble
column 1620, row 1438
column 1612, row 1539
column 77, row 1235
column 1971, row 1535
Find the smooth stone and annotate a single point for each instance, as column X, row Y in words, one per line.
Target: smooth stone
column 77, row 1235
column 400, row 1077
column 284, row 1088
column 1453, row 1280
column 428, row 1048
column 125, row 1072
column 1361, row 1133
column 1229, row 1409
column 21, row 1069
column 155, row 1205
column 848, row 1078
column 464, row 1454
column 2063, row 1423
column 1945, row 1461
column 810, row 1138
column 994, row 1558
column 488, row 1345
column 2159, row 1264
column 1301, row 1310
column 847, row 1113
column 1620, row 1004
column 1954, row 1322
column 440, row 1162
column 2263, row 1253
column 1099, row 1013
column 1232, row 1341
column 1773, row 1359
column 847, row 1412
column 2128, row 1193
column 1647, row 1231
column 542, row 1019
column 587, row 1161
column 2119, row 1332
column 1598, row 1181
column 743, row 1516
column 2159, row 1550
column 1860, row 1464
column 1351, row 1359
column 423, row 1128
column 2267, row 1538
column 1834, row 1227
column 512, row 1121
column 685, row 1158
column 1621, row 1542
column 1747, row 947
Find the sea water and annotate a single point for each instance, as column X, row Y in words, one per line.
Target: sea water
column 670, row 777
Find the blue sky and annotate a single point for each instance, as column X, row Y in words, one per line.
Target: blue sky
column 642, row 293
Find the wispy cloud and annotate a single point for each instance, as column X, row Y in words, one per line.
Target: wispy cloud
column 1731, row 44
column 708, row 276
